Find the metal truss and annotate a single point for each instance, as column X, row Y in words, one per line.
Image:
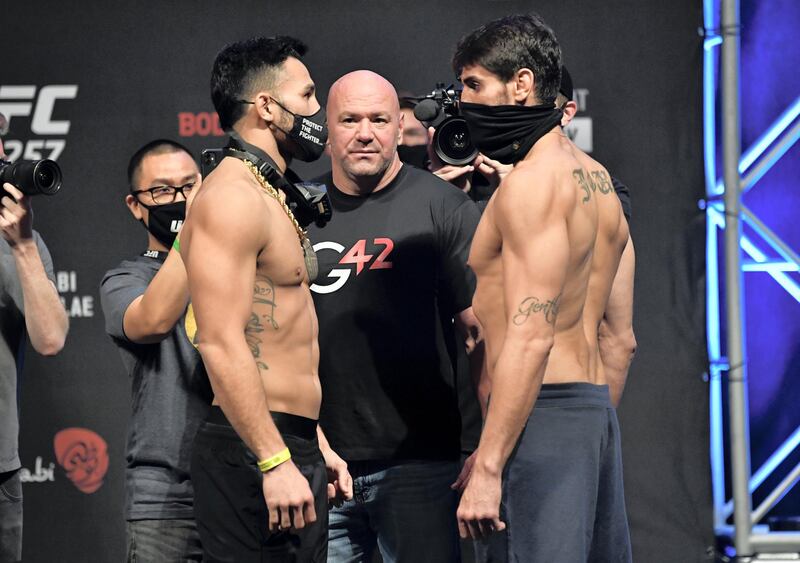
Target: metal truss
column 765, row 252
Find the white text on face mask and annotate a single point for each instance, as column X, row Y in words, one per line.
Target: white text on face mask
column 307, row 133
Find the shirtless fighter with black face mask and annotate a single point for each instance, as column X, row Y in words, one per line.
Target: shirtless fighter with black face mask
column 262, row 469
column 545, row 254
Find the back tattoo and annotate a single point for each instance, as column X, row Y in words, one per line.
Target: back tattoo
column 595, row 180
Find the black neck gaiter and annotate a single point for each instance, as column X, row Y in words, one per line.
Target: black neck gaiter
column 507, row 133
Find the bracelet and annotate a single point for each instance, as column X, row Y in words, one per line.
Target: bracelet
column 176, row 244
column 272, row 462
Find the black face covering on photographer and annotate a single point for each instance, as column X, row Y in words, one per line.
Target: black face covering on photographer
column 507, row 133
column 415, row 155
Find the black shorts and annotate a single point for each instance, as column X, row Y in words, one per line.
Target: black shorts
column 229, row 506
column 562, row 486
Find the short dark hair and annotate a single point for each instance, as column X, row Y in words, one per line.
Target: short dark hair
column 508, row 44
column 243, row 68
column 158, row 146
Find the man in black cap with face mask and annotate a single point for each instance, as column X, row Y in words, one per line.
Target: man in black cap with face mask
column 144, row 301
column 259, row 460
column 616, row 338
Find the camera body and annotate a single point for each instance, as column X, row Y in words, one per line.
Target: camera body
column 451, row 141
column 31, row 177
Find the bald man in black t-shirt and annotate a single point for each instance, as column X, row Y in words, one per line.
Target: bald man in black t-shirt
column 393, row 278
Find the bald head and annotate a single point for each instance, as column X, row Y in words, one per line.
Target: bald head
column 365, row 127
column 366, row 85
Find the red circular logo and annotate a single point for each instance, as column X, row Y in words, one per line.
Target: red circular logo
column 84, row 456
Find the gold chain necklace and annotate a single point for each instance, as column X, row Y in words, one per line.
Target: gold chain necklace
column 273, row 193
column 309, row 256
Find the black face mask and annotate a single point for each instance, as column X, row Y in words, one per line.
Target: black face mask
column 416, row 155
column 309, row 133
column 507, row 133
column 165, row 221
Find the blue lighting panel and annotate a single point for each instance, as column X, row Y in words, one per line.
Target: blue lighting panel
column 770, row 125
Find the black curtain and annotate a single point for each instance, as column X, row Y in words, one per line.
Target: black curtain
column 142, row 72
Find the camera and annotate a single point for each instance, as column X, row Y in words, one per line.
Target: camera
column 209, row 159
column 31, row 177
column 451, row 141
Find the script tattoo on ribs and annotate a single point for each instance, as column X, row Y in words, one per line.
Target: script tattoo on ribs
column 263, row 294
column 532, row 305
column 594, row 181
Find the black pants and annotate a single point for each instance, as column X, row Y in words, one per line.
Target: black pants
column 562, row 486
column 10, row 517
column 229, row 506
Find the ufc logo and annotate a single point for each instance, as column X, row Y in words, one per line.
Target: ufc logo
column 23, row 101
column 377, row 260
column 42, row 122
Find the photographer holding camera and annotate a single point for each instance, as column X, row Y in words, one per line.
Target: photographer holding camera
column 30, row 307
column 616, row 339
column 451, row 154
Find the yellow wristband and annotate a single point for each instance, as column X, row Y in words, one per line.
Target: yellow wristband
column 272, row 462
column 177, row 245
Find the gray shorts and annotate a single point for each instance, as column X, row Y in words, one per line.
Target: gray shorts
column 562, row 486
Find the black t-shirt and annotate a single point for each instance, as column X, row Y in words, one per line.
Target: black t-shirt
column 393, row 274
column 624, row 195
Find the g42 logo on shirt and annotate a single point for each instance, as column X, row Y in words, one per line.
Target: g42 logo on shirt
column 378, row 260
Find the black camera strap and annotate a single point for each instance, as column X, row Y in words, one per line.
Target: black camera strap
column 241, row 149
column 299, row 213
column 308, row 204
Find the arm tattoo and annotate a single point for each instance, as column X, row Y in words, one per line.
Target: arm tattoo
column 596, row 180
column 532, row 305
column 263, row 294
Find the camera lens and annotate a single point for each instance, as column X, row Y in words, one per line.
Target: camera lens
column 47, row 177
column 44, row 178
column 459, row 141
column 452, row 143
column 32, row 177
